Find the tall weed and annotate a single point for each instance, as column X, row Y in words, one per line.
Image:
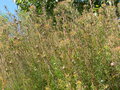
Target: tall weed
column 80, row 52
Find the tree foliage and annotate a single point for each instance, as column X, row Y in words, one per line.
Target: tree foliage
column 49, row 5
column 39, row 5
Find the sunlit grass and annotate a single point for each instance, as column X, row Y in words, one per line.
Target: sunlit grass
column 80, row 52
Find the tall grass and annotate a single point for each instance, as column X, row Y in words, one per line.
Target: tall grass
column 80, row 52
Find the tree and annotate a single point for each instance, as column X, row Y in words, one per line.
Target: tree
column 49, row 5
column 39, row 5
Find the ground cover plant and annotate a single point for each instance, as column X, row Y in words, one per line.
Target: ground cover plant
column 79, row 52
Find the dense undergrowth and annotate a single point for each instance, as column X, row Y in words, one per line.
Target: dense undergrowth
column 80, row 52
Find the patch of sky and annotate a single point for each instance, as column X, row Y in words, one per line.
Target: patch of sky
column 11, row 6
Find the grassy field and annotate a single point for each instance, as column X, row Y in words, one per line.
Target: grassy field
column 78, row 52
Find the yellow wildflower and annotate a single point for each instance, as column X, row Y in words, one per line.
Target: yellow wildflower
column 1, row 32
column 1, row 45
column 79, row 85
column 78, row 82
column 101, row 17
column 100, row 10
column 16, row 42
column 3, row 83
column 103, row 5
column 37, row 25
column 73, row 33
column 64, row 42
column 47, row 88
column 32, row 7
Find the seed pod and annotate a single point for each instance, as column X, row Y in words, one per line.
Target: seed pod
column 38, row 54
column 10, row 62
column 6, row 70
column 36, row 46
column 15, row 37
column 112, row 64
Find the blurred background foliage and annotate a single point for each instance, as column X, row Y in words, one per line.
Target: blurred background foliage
column 49, row 5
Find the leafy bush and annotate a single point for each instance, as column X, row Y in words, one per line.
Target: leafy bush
column 78, row 53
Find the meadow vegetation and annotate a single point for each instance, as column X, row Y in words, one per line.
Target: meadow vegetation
column 78, row 52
